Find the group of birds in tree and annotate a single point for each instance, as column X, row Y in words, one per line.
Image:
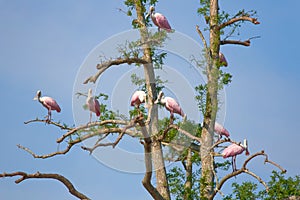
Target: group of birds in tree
column 140, row 97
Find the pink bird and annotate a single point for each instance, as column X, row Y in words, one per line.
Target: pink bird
column 48, row 103
column 159, row 20
column 219, row 129
column 222, row 59
column 171, row 105
column 138, row 98
column 233, row 150
column 93, row 104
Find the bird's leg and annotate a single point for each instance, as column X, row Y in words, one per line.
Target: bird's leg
column 234, row 163
column 171, row 118
column 90, row 117
column 48, row 118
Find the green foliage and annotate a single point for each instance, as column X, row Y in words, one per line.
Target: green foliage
column 279, row 188
column 201, row 97
column 245, row 191
column 176, row 180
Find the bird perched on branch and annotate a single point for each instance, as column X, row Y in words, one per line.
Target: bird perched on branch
column 222, row 59
column 49, row 103
column 233, row 150
column 219, row 129
column 159, row 20
column 171, row 105
column 93, row 104
column 138, row 98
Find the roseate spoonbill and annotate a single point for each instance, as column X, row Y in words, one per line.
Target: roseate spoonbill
column 159, row 20
column 138, row 98
column 222, row 59
column 48, row 103
column 233, row 150
column 93, row 104
column 219, row 129
column 171, row 105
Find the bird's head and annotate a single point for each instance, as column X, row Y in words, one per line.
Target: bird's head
column 159, row 97
column 38, row 95
column 245, row 145
column 151, row 10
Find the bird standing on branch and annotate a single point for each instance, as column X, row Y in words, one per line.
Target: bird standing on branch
column 220, row 130
column 49, row 103
column 93, row 105
column 171, row 105
column 233, row 150
column 159, row 20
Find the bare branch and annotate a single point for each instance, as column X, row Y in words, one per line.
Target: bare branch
column 238, row 42
column 245, row 170
column 89, row 125
column 202, row 38
column 105, row 65
column 78, row 140
column 63, row 127
column 184, row 132
column 237, row 19
column 37, row 175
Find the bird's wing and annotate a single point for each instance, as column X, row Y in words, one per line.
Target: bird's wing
column 50, row 103
column 162, row 21
column 97, row 107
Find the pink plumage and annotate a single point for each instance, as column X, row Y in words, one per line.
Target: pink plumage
column 219, row 129
column 93, row 104
column 232, row 150
column 222, row 59
column 49, row 103
column 173, row 107
column 138, row 98
column 160, row 20
column 171, row 104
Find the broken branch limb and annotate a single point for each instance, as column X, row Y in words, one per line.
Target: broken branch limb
column 105, row 65
column 37, row 175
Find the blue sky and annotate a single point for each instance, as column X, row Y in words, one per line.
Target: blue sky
column 44, row 43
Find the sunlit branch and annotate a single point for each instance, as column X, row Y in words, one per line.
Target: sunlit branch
column 105, row 65
column 89, row 125
column 39, row 175
column 63, row 127
column 237, row 19
column 78, row 140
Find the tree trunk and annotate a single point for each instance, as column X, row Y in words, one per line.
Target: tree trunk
column 211, row 105
column 157, row 154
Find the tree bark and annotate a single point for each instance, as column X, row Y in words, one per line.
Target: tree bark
column 207, row 176
column 156, row 151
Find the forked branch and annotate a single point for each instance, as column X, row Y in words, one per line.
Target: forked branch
column 247, row 171
column 105, row 65
column 39, row 175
